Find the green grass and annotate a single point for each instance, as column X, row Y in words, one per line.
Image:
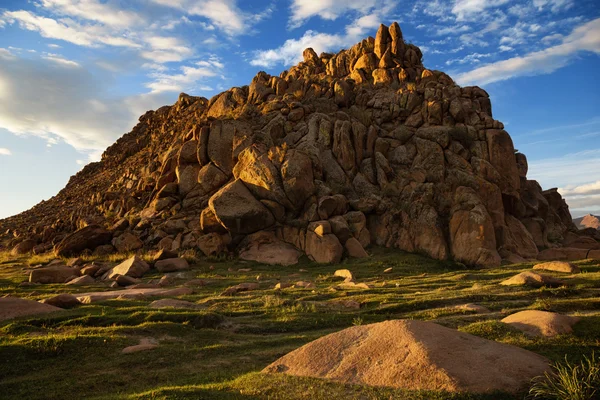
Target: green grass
column 217, row 352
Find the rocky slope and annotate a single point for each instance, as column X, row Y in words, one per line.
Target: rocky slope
column 587, row 221
column 364, row 147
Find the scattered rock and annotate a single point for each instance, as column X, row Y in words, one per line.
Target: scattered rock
column 355, row 249
column 64, row 300
column 88, row 237
column 14, row 307
column 26, row 246
column 414, row 355
column 344, row 273
column 163, row 254
column 242, row 287
column 532, row 279
column 171, row 265
column 145, row 344
column 134, row 267
column 53, row 274
column 304, row 285
column 127, row 242
column 87, row 298
column 124, row 280
column 82, row 281
column 473, row 307
column 558, row 266
column 541, row 323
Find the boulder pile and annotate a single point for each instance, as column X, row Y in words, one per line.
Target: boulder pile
column 342, row 151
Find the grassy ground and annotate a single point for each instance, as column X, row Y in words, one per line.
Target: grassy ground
column 216, row 352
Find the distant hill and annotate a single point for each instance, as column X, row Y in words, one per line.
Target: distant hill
column 588, row 221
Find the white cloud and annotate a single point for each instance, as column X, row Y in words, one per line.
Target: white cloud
column 187, row 78
column 291, row 50
column 472, row 9
column 587, row 188
column 554, row 5
column 56, row 101
column 61, row 60
column 166, row 49
column 54, row 46
column 93, row 10
column 224, row 14
column 5, row 152
column 6, row 54
column 469, row 59
column 583, row 38
column 327, row 9
column 67, row 30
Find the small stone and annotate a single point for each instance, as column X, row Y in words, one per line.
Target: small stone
column 282, row 285
column 387, row 270
column 145, row 344
column 473, row 307
column 343, row 273
column 304, row 285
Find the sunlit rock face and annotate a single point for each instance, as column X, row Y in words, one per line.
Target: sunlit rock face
column 364, row 145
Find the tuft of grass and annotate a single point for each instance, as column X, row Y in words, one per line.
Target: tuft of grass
column 569, row 381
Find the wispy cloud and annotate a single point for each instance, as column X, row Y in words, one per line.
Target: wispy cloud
column 290, row 52
column 583, row 38
column 5, row 152
column 187, row 76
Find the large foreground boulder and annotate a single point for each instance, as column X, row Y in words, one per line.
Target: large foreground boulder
column 414, row 355
column 13, row 307
column 89, row 237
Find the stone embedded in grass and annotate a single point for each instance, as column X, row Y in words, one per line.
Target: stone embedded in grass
column 64, row 300
column 353, row 285
column 124, row 280
column 304, row 285
column 174, row 303
column 242, row 287
column 344, row 273
column 94, row 297
column 195, row 282
column 387, row 270
column 145, row 344
column 163, row 254
column 558, row 266
column 282, row 285
column 53, row 274
column 414, row 355
column 532, row 279
column 473, row 307
column 541, row 323
column 172, row 265
column 13, row 307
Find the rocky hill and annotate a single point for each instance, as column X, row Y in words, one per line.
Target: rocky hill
column 587, row 221
column 343, row 151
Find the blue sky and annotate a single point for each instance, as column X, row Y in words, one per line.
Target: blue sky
column 76, row 74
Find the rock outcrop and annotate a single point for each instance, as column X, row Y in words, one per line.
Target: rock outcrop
column 340, row 152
